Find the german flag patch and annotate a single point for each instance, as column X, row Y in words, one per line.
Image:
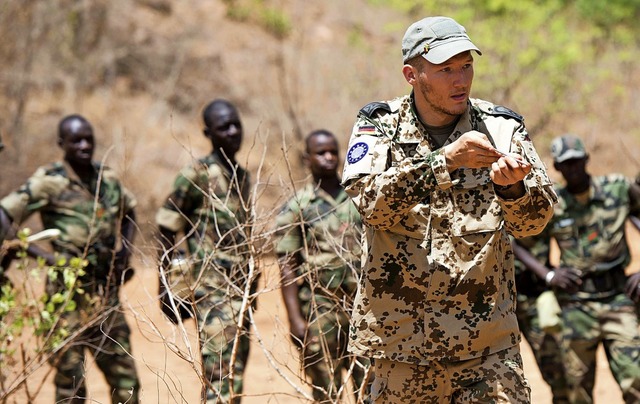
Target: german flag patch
column 366, row 130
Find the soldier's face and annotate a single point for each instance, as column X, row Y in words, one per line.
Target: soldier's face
column 322, row 156
column 78, row 142
column 226, row 130
column 574, row 171
column 445, row 88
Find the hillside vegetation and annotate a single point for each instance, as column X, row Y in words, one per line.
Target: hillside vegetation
column 141, row 70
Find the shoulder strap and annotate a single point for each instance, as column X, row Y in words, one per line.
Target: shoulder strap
column 504, row 111
column 371, row 108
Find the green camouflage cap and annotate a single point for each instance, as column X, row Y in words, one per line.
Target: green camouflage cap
column 567, row 147
column 437, row 39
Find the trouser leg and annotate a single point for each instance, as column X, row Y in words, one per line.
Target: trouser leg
column 112, row 352
column 217, row 323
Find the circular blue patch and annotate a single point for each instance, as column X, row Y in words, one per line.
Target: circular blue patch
column 357, row 152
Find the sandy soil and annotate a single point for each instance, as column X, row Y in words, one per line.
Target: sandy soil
column 273, row 375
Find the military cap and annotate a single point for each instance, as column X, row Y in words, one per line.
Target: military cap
column 567, row 147
column 437, row 39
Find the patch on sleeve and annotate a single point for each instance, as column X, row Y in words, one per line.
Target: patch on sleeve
column 367, row 154
column 357, row 152
column 366, row 130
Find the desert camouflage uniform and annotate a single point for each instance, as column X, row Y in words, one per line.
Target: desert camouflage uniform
column 546, row 345
column 327, row 233
column 211, row 206
column 438, row 283
column 592, row 239
column 89, row 226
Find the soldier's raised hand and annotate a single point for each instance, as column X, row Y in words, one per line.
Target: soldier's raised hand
column 472, row 150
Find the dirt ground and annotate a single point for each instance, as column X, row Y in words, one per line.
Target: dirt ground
column 273, row 375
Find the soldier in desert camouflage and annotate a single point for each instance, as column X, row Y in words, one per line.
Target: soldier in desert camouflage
column 93, row 211
column 440, row 181
column 595, row 294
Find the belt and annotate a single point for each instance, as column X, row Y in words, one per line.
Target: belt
column 610, row 281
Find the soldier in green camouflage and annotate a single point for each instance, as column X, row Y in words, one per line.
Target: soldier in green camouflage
column 440, row 181
column 545, row 343
column 318, row 245
column 88, row 204
column 589, row 227
column 210, row 204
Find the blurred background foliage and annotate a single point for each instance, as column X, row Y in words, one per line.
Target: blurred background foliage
column 556, row 53
column 141, row 70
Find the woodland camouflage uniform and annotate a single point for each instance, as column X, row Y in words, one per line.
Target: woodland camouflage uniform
column 89, row 227
column 545, row 344
column 215, row 201
column 438, row 283
column 327, row 233
column 592, row 239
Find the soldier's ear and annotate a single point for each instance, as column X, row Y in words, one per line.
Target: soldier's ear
column 410, row 73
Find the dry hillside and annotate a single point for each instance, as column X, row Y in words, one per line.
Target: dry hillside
column 141, row 70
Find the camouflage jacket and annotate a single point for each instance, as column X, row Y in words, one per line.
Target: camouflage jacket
column 591, row 237
column 438, row 280
column 66, row 203
column 326, row 232
column 210, row 204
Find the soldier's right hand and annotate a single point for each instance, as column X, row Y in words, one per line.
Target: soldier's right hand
column 566, row 279
column 472, row 150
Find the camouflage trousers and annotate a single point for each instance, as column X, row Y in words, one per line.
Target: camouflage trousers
column 107, row 339
column 546, row 348
column 217, row 319
column 325, row 357
column 497, row 378
column 612, row 322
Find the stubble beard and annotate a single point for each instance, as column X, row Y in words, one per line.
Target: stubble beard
column 438, row 107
